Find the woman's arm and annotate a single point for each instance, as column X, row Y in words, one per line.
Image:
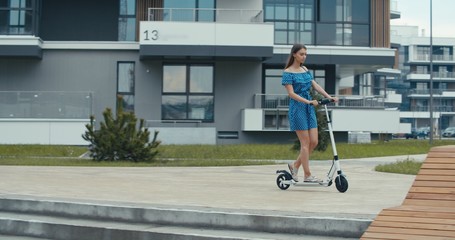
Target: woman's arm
column 320, row 90
column 296, row 97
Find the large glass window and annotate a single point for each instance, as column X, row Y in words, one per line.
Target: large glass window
column 357, row 11
column 125, row 85
column 330, row 10
column 188, row 92
column 127, row 21
column 293, row 20
column 320, row 22
column 18, row 17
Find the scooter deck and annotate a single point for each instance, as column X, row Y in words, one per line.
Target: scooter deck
column 301, row 183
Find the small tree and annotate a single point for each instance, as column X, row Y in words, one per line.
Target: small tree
column 118, row 138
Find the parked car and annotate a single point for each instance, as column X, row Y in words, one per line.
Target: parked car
column 413, row 134
column 449, row 132
column 423, row 132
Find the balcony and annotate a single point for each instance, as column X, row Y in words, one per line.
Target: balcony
column 270, row 113
column 394, row 12
column 221, row 33
column 280, row 101
column 205, row 15
column 45, row 105
column 20, row 46
column 440, row 58
column 36, row 117
column 437, row 108
column 437, row 93
column 444, row 76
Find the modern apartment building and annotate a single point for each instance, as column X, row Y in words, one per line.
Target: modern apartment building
column 414, row 61
column 198, row 71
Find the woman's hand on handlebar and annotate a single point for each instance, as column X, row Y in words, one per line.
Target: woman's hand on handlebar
column 314, row 102
column 334, row 99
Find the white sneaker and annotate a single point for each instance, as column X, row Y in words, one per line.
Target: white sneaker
column 312, row 179
column 294, row 171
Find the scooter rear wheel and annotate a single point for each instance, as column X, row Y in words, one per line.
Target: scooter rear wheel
column 280, row 183
column 341, row 183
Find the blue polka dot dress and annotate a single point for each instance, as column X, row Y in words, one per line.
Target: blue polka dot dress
column 301, row 115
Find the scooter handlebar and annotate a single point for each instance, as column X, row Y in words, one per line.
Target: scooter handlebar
column 325, row 101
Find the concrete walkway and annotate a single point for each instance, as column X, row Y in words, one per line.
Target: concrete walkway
column 249, row 189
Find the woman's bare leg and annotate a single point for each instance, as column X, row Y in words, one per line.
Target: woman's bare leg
column 313, row 139
column 308, row 142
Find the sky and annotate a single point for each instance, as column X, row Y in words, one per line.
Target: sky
column 417, row 13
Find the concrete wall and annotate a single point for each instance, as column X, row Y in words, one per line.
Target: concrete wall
column 43, row 131
column 236, row 82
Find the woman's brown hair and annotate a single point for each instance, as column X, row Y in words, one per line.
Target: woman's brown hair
column 295, row 48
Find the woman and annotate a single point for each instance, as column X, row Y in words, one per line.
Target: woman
column 302, row 116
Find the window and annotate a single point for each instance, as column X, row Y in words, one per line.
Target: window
column 423, row 53
column 422, row 69
column 320, row 22
column 188, row 92
column 293, row 20
column 127, row 20
column 18, row 17
column 125, row 85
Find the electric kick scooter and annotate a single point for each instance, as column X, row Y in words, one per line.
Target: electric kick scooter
column 284, row 179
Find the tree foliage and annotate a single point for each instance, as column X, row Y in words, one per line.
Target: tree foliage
column 119, row 139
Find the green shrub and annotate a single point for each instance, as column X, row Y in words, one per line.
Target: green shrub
column 118, row 139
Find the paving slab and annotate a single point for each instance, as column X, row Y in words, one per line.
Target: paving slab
column 249, row 189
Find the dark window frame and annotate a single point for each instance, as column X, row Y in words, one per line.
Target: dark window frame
column 125, row 17
column 288, row 36
column 126, row 93
column 187, row 92
column 32, row 11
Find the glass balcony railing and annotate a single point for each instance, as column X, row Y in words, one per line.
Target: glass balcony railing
column 277, row 101
column 37, row 104
column 206, row 15
column 436, row 57
column 20, row 21
column 436, row 108
column 424, row 91
column 444, row 74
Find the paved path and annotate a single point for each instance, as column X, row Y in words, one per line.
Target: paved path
column 238, row 189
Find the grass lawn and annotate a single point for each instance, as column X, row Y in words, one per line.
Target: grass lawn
column 217, row 155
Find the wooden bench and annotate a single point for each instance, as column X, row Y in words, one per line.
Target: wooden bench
column 428, row 211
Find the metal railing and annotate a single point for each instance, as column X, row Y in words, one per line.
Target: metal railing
column 424, row 91
column 436, row 57
column 45, row 104
column 437, row 74
column 440, row 108
column 277, row 101
column 206, row 15
column 173, row 123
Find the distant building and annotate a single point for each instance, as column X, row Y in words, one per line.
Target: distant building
column 199, row 71
column 414, row 62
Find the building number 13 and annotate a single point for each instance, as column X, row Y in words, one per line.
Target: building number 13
column 153, row 35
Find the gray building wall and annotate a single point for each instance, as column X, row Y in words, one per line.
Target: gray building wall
column 236, row 82
column 67, row 70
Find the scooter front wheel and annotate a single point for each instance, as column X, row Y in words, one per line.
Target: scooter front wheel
column 341, row 183
column 279, row 182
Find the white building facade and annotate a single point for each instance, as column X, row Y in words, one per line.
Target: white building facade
column 414, row 62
